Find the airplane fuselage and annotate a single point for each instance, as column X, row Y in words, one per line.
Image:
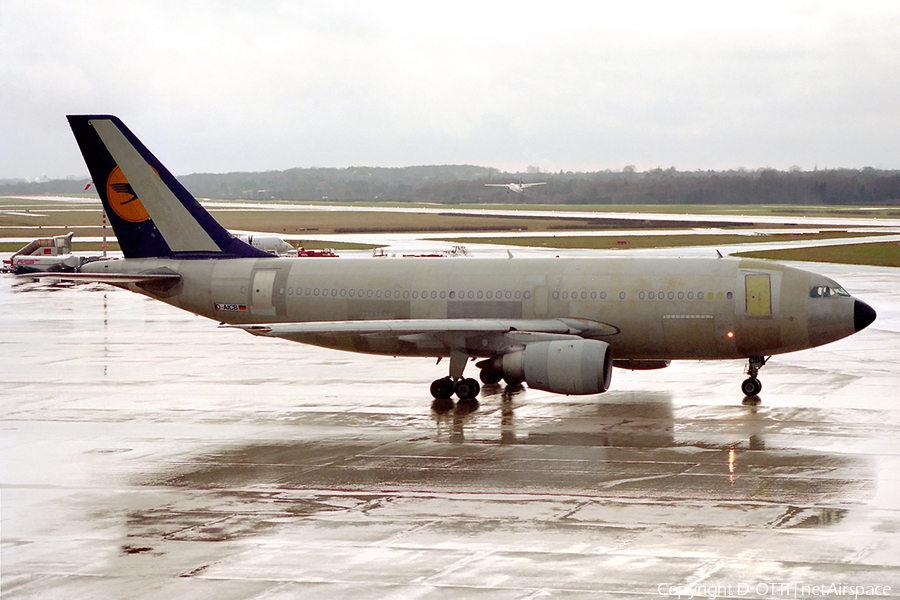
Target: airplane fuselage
column 657, row 308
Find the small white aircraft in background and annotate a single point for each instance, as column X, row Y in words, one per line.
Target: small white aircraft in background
column 518, row 188
column 266, row 242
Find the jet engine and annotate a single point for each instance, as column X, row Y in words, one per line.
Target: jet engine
column 561, row 367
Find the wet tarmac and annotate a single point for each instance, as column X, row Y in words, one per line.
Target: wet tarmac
column 146, row 453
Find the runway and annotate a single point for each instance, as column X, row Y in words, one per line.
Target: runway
column 146, row 453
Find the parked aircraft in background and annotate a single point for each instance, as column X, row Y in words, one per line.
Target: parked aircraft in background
column 267, row 242
column 557, row 324
column 518, row 188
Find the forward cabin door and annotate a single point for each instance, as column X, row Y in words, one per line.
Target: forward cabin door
column 759, row 295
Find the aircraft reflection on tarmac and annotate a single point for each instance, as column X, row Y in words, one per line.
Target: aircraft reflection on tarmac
column 637, row 420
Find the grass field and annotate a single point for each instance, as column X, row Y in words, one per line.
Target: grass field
column 33, row 218
column 43, row 220
column 652, row 241
column 882, row 254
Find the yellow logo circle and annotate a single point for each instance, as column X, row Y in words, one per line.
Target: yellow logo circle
column 122, row 198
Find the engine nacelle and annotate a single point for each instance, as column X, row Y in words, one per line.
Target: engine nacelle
column 561, row 367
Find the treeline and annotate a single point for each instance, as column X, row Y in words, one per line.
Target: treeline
column 458, row 184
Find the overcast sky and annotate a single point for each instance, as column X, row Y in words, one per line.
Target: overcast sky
column 221, row 85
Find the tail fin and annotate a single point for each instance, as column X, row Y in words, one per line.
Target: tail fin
column 151, row 213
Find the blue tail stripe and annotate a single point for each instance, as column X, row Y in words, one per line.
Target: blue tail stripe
column 143, row 239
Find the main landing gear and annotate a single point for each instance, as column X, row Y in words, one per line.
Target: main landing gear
column 464, row 388
column 752, row 386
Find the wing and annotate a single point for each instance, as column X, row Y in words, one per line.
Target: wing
column 528, row 185
column 496, row 185
column 432, row 337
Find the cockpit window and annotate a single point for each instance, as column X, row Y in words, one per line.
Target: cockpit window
column 824, row 291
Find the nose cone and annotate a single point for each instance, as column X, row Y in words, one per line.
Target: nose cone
column 863, row 315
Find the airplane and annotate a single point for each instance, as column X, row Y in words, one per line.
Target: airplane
column 265, row 241
column 556, row 324
column 518, row 188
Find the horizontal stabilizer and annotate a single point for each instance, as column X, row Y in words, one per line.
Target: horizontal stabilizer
column 112, row 278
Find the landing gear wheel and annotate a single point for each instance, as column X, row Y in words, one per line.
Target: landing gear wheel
column 751, row 387
column 467, row 389
column 442, row 388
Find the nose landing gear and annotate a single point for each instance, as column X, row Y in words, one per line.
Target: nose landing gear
column 752, row 385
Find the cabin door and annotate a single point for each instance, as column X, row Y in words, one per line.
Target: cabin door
column 759, row 295
column 263, row 287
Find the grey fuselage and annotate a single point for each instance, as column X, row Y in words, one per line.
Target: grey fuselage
column 662, row 308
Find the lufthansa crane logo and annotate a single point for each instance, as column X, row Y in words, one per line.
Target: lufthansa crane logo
column 122, row 198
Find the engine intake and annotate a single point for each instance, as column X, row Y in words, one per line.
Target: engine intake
column 561, row 367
